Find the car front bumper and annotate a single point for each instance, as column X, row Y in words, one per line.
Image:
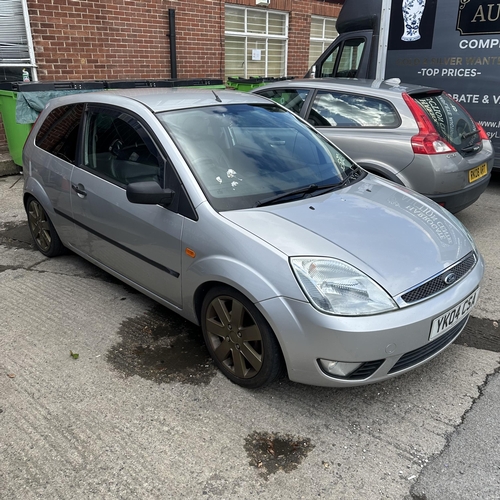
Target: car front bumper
column 387, row 344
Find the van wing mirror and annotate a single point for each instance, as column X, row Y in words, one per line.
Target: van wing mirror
column 149, row 193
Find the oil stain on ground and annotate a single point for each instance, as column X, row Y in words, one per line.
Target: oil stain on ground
column 163, row 347
column 16, row 235
column 271, row 453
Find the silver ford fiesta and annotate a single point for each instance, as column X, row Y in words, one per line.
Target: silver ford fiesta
column 239, row 216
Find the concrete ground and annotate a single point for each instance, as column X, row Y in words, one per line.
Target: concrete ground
column 142, row 413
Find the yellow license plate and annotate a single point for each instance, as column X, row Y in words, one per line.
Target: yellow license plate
column 478, row 172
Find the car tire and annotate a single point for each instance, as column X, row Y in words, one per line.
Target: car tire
column 42, row 230
column 239, row 339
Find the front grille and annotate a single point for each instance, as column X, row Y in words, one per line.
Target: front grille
column 421, row 354
column 365, row 370
column 437, row 284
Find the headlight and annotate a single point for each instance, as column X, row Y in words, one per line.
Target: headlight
column 336, row 287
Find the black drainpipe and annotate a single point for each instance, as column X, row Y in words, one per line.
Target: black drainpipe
column 173, row 51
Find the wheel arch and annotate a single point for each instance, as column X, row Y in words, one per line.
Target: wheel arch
column 34, row 189
column 220, row 270
column 381, row 170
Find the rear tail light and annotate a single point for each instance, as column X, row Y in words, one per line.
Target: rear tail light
column 427, row 141
column 483, row 136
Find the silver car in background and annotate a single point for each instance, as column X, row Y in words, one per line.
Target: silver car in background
column 233, row 212
column 415, row 136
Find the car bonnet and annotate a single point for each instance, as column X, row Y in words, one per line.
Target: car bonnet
column 396, row 236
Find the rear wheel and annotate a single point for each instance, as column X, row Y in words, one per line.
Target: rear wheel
column 239, row 339
column 42, row 230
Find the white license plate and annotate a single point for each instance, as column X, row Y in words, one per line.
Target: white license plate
column 453, row 316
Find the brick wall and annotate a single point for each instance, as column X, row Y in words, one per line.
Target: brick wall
column 122, row 39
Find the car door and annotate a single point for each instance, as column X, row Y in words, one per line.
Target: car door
column 138, row 242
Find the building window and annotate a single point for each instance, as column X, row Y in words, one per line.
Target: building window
column 256, row 42
column 16, row 45
column 323, row 32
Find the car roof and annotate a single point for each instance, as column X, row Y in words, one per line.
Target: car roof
column 165, row 99
column 378, row 87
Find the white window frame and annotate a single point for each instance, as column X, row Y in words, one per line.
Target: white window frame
column 6, row 35
column 264, row 36
column 324, row 40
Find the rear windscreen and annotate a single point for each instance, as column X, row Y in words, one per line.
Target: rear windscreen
column 451, row 121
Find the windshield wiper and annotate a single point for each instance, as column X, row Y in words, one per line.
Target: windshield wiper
column 312, row 188
column 354, row 174
column 294, row 192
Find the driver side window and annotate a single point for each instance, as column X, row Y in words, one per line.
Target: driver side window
column 119, row 148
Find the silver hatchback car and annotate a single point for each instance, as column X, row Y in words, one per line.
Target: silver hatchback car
column 233, row 212
column 415, row 136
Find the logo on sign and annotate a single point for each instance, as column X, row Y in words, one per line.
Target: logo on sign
column 478, row 17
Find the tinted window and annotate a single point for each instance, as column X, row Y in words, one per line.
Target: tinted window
column 59, row 132
column 293, row 99
column 350, row 57
column 241, row 154
column 451, row 121
column 340, row 109
column 329, row 63
column 119, row 148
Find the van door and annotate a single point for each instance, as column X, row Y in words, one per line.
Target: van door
column 347, row 57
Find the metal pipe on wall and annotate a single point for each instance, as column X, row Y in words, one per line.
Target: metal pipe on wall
column 173, row 41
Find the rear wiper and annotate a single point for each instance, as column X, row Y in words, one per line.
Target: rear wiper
column 469, row 134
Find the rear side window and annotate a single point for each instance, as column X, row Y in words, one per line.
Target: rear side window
column 340, row 109
column 293, row 99
column 58, row 134
column 451, row 121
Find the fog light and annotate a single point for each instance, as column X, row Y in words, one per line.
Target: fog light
column 338, row 368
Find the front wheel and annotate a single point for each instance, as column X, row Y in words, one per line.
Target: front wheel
column 239, row 339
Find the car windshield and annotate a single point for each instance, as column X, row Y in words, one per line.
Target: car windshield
column 243, row 154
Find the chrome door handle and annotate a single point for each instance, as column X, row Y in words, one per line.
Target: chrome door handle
column 79, row 190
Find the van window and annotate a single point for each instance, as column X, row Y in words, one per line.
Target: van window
column 341, row 109
column 344, row 61
column 350, row 57
column 58, row 134
column 329, row 64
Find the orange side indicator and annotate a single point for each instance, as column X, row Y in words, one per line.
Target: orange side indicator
column 190, row 253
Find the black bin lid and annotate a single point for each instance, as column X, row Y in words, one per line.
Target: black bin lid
column 62, row 85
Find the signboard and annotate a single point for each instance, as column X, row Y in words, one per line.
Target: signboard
column 476, row 17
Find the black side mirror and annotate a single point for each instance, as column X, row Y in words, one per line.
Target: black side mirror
column 149, row 193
